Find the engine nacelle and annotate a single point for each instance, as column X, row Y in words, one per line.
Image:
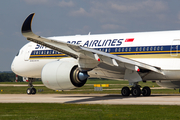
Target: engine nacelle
column 169, row 83
column 63, row 75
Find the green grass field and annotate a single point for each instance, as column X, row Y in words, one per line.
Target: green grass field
column 88, row 88
column 53, row 111
column 43, row 111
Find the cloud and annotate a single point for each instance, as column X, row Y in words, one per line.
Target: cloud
column 110, row 27
column 119, row 15
column 178, row 16
column 148, row 6
column 37, row 1
column 79, row 12
column 109, row 10
column 65, row 4
column 62, row 3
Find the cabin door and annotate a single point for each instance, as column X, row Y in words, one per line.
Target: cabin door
column 27, row 53
column 174, row 47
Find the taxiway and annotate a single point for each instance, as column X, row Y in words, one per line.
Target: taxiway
column 91, row 99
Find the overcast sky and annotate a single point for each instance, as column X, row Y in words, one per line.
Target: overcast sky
column 70, row 17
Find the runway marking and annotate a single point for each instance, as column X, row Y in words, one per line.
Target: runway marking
column 90, row 99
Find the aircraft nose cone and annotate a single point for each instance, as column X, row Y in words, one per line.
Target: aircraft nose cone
column 17, row 66
column 13, row 66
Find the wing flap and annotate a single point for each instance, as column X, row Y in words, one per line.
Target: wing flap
column 121, row 61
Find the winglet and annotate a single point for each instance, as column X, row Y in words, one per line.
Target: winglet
column 26, row 27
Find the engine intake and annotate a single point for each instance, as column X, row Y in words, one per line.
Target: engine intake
column 63, row 75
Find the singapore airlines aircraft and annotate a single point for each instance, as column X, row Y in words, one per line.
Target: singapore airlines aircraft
column 66, row 62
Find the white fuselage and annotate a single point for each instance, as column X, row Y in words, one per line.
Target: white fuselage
column 160, row 49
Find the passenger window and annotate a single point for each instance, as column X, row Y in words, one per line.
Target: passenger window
column 147, row 49
column 119, row 49
column 140, row 49
column 126, row 49
column 144, row 49
column 137, row 49
column 129, row 49
column 157, row 48
column 162, row 48
column 154, row 48
column 151, row 48
column 122, row 49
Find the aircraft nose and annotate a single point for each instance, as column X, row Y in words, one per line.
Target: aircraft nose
column 12, row 65
column 15, row 66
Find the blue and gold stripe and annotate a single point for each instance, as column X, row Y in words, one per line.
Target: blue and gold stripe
column 46, row 54
column 170, row 51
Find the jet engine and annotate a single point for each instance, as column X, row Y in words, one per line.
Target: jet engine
column 63, row 75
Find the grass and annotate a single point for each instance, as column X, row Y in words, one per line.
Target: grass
column 47, row 111
column 88, row 88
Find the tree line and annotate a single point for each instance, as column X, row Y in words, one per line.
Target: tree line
column 9, row 77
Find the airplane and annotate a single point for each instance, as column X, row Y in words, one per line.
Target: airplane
column 66, row 62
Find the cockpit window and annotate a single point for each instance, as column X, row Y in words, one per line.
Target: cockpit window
column 17, row 53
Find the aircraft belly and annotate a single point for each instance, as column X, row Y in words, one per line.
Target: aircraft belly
column 163, row 63
column 169, row 75
column 107, row 71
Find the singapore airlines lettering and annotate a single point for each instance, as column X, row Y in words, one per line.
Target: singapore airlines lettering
column 99, row 43
column 92, row 43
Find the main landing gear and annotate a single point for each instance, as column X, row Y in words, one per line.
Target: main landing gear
column 31, row 90
column 136, row 91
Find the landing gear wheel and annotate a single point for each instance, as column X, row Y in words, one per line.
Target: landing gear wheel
column 146, row 91
column 33, row 91
column 125, row 91
column 29, row 91
column 136, row 91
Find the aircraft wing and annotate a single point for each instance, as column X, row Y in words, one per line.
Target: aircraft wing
column 79, row 52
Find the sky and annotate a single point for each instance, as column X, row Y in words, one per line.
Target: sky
column 72, row 17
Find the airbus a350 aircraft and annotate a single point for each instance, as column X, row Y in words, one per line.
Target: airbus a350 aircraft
column 65, row 62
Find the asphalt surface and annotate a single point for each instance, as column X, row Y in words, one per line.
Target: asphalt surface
column 91, row 99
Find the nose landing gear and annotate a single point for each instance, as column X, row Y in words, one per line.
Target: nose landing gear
column 31, row 90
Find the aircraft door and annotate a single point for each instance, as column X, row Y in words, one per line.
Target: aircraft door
column 174, row 47
column 27, row 53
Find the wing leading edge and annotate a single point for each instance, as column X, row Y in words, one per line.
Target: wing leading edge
column 84, row 54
